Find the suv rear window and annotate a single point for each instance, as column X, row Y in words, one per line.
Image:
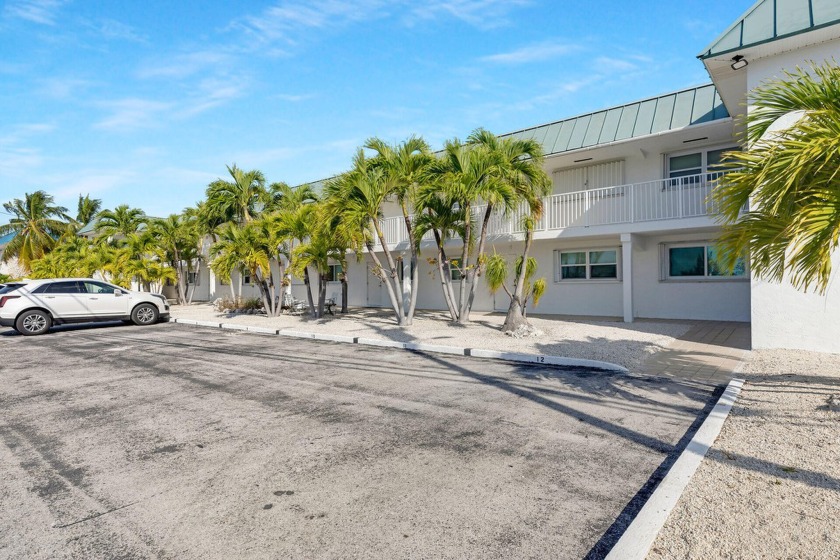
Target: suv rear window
column 11, row 287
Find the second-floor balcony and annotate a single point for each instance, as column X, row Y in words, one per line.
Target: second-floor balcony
column 650, row 201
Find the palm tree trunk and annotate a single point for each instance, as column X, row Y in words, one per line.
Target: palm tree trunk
column 322, row 293
column 309, row 300
column 344, row 294
column 445, row 276
column 465, row 255
column 392, row 279
column 476, row 271
column 383, row 276
column 516, row 317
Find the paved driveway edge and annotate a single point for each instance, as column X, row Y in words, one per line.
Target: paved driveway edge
column 415, row 346
column 636, row 541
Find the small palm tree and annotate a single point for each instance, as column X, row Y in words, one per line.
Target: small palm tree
column 121, row 221
column 37, row 224
column 239, row 200
column 87, row 209
column 790, row 177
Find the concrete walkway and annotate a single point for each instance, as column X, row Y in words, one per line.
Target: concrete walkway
column 710, row 352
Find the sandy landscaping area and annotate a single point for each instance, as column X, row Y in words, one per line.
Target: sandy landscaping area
column 608, row 340
column 770, row 486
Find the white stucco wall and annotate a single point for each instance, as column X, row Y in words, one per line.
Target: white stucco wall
column 786, row 318
column 783, row 317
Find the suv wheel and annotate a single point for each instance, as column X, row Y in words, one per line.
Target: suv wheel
column 144, row 314
column 33, row 322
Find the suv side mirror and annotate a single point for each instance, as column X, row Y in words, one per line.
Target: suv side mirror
column 118, row 293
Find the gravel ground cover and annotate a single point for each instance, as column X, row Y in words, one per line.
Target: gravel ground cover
column 184, row 442
column 607, row 340
column 770, row 486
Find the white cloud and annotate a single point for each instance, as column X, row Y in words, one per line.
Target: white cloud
column 533, row 53
column 484, row 14
column 113, row 29
column 184, row 65
column 63, row 88
column 212, row 93
column 295, row 98
column 37, row 11
column 132, row 113
column 287, row 21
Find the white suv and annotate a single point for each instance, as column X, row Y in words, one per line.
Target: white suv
column 33, row 307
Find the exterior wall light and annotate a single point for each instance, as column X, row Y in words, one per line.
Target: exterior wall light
column 738, row 62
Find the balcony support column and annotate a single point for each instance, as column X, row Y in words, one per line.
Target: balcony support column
column 627, row 241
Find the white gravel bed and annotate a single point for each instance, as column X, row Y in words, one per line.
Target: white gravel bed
column 770, row 485
column 626, row 344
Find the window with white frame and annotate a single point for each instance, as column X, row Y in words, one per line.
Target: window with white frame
column 688, row 168
column 597, row 264
column 193, row 278
column 246, row 279
column 687, row 261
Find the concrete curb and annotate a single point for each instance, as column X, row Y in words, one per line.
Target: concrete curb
column 636, row 541
column 418, row 346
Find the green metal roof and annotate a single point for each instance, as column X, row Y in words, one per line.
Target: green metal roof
column 770, row 20
column 650, row 116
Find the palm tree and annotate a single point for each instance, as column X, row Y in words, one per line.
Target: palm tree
column 37, row 223
column 290, row 227
column 87, row 209
column 175, row 237
column 441, row 215
column 465, row 175
column 246, row 247
column 239, row 200
column 358, row 197
column 327, row 242
column 122, row 221
column 524, row 288
column 405, row 166
column 789, row 176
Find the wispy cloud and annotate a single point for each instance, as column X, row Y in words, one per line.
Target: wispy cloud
column 211, row 93
column 131, row 113
column 295, row 98
column 286, row 21
column 533, row 53
column 37, row 11
column 183, row 65
column 484, row 14
column 62, row 88
column 113, row 29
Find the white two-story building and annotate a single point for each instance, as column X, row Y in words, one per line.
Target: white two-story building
column 629, row 229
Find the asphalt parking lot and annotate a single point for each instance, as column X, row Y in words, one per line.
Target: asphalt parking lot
column 180, row 442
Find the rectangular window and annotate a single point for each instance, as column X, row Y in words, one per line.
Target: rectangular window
column 192, row 277
column 587, row 265
column 335, row 273
column 247, row 279
column 699, row 261
column 690, row 168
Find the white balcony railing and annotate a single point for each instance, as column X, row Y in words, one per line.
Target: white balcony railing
column 663, row 199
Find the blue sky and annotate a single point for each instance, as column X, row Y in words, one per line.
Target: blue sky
column 144, row 103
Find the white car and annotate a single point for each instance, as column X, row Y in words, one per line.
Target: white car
column 34, row 306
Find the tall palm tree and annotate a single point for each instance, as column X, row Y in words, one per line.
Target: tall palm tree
column 466, row 175
column 790, row 177
column 87, row 209
column 290, row 227
column 238, row 200
column 37, row 223
column 246, row 247
column 121, row 221
column 358, row 197
column 175, row 236
column 405, row 166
